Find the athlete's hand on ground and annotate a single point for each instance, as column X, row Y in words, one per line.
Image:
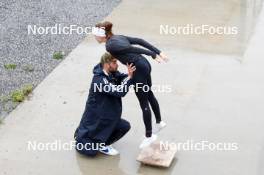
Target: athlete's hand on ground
column 130, row 69
column 163, row 57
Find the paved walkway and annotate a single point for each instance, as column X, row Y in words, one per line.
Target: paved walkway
column 214, row 97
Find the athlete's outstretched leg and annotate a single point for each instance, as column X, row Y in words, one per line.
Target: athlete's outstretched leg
column 144, row 104
column 153, row 101
column 155, row 106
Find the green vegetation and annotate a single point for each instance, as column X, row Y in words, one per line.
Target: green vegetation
column 20, row 95
column 28, row 68
column 58, row 55
column 17, row 96
column 10, row 66
column 27, row 89
column 10, row 102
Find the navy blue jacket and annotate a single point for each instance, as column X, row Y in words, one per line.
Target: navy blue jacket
column 104, row 106
column 121, row 47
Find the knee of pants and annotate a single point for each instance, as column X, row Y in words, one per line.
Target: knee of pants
column 126, row 125
column 145, row 107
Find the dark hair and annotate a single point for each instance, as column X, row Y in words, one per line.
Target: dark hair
column 106, row 58
column 107, row 26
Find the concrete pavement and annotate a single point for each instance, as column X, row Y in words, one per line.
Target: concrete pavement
column 214, row 97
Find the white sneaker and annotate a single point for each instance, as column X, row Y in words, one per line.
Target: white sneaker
column 159, row 126
column 109, row 150
column 147, row 141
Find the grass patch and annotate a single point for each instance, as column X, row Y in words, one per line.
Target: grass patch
column 10, row 66
column 20, row 95
column 17, row 96
column 27, row 89
column 28, row 68
column 58, row 55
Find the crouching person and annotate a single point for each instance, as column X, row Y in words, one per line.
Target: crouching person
column 101, row 124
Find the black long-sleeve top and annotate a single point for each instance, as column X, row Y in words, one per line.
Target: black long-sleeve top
column 121, row 47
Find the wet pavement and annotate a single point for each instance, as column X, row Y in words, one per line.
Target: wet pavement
column 217, row 96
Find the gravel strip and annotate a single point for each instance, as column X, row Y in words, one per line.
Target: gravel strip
column 33, row 54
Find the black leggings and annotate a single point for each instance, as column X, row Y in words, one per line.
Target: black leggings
column 142, row 78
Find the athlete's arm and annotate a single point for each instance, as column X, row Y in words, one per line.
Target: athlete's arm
column 143, row 43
